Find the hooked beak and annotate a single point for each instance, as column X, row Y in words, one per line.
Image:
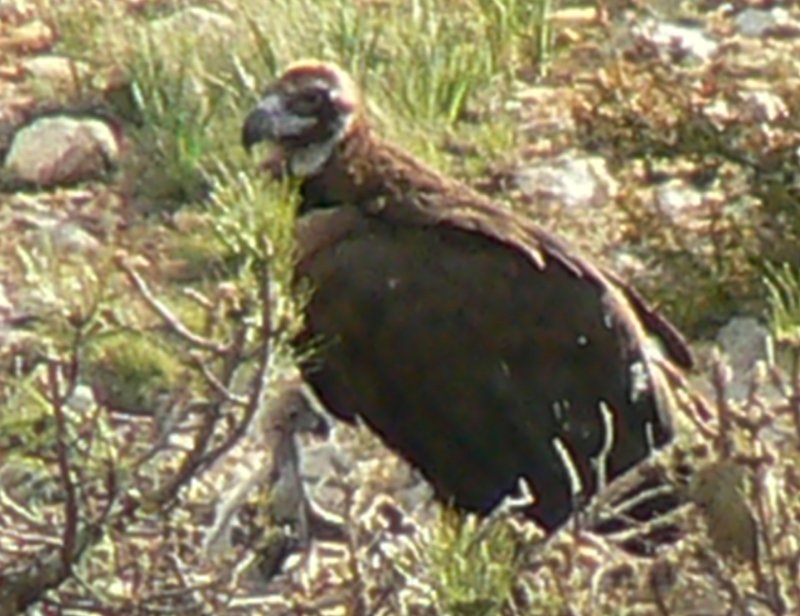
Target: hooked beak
column 262, row 122
column 272, row 121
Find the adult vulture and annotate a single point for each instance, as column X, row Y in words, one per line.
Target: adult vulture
column 480, row 347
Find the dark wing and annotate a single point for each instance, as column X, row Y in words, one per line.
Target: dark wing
column 477, row 214
column 434, row 199
column 479, row 354
column 653, row 322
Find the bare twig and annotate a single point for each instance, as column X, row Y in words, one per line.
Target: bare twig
column 218, row 386
column 172, row 321
column 258, row 391
column 62, row 456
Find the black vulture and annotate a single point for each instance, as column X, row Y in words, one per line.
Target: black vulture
column 479, row 346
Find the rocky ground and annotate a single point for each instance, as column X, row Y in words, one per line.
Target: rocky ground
column 666, row 147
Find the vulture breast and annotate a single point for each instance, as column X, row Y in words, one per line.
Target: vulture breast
column 478, row 366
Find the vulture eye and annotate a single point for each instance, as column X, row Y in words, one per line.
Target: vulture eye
column 308, row 102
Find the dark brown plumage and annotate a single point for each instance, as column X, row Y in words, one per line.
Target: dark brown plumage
column 479, row 346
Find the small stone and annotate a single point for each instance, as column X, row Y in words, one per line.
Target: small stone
column 756, row 23
column 58, row 69
column 676, row 199
column 570, row 180
column 765, row 106
column 82, row 399
column 69, row 237
column 744, row 340
column 195, row 22
column 62, row 150
column 28, row 37
column 207, row 34
column 677, row 41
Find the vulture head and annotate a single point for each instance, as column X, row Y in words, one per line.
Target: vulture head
column 304, row 114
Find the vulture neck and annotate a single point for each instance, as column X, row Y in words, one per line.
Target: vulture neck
column 369, row 173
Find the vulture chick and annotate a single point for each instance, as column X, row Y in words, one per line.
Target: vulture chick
column 477, row 345
column 269, row 511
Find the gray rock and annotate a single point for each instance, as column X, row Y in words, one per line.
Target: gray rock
column 206, row 34
column 194, row 24
column 765, row 106
column 59, row 70
column 744, row 341
column 675, row 39
column 677, row 199
column 82, row 399
column 69, row 237
column 756, row 23
column 574, row 181
column 62, row 150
